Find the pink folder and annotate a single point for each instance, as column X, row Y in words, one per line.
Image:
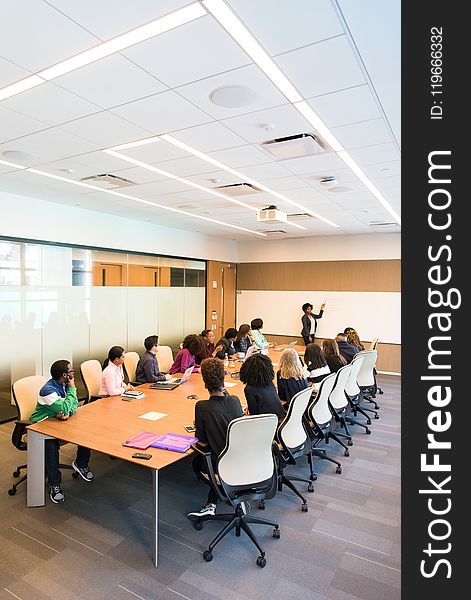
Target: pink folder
column 141, row 440
column 174, row 441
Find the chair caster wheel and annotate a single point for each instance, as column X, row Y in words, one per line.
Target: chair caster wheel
column 368, row 431
column 346, row 453
column 277, row 533
column 310, row 488
column 75, row 475
column 368, row 422
column 304, row 508
column 208, row 555
column 261, row 505
column 16, row 474
column 313, row 477
column 376, row 416
column 338, row 470
column 261, row 561
column 198, row 526
column 12, row 492
column 349, row 442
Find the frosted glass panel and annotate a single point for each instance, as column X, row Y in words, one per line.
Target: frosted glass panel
column 143, row 316
column 194, row 314
column 108, row 320
column 171, row 307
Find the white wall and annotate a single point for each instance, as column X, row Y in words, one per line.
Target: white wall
column 328, row 247
column 29, row 218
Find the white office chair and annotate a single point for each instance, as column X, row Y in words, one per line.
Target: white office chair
column 130, row 363
column 246, row 471
column 366, row 379
column 164, row 358
column 338, row 402
column 352, row 389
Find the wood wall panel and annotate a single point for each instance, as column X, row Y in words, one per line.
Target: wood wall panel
column 339, row 276
column 222, row 298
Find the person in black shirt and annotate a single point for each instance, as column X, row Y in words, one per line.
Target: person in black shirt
column 332, row 355
column 347, row 350
column 257, row 373
column 212, row 418
column 243, row 339
column 147, row 370
column 226, row 343
column 290, row 378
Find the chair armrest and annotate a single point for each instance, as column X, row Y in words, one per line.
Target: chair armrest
column 18, row 433
column 97, row 397
column 209, row 466
column 197, row 447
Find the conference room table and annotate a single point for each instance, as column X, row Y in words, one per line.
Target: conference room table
column 104, row 424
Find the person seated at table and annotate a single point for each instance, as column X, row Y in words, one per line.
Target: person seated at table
column 259, row 339
column 260, row 392
column 290, row 377
column 192, row 347
column 353, row 338
column 212, row 418
column 58, row 399
column 243, row 339
column 112, row 377
column 332, row 355
column 316, row 367
column 147, row 370
column 227, row 343
column 346, row 349
column 209, row 347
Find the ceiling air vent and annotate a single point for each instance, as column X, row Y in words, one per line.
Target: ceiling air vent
column 106, row 180
column 382, row 223
column 238, row 189
column 272, row 232
column 295, row 146
column 300, row 217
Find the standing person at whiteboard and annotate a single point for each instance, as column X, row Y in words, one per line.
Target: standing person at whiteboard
column 309, row 321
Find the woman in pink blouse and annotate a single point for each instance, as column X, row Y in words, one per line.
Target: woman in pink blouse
column 112, row 378
column 191, row 348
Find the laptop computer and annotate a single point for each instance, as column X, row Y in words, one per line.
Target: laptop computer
column 290, row 345
column 250, row 350
column 171, row 384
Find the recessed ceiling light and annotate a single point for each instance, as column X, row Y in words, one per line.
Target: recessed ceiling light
column 232, row 96
column 340, row 189
column 18, row 155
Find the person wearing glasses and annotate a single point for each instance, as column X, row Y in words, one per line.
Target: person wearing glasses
column 58, row 399
column 147, row 370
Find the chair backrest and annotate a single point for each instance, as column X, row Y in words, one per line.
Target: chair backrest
column 319, row 410
column 247, row 458
column 352, row 388
column 373, row 344
column 337, row 397
column 130, row 363
column 165, row 358
column 25, row 394
column 291, row 432
column 91, row 375
column 366, row 376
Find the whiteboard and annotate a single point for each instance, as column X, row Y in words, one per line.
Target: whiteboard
column 372, row 314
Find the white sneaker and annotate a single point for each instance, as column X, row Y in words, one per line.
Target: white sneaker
column 207, row 509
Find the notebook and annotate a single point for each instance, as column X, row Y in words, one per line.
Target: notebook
column 133, row 394
column 174, row 441
column 141, row 440
column 171, row 384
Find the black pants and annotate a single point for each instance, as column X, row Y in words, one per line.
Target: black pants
column 199, row 465
column 308, row 339
column 51, row 451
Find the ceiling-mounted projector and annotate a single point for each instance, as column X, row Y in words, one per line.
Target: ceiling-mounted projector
column 271, row 214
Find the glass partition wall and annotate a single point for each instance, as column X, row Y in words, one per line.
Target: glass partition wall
column 75, row 303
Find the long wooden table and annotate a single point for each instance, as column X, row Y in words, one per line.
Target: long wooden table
column 103, row 425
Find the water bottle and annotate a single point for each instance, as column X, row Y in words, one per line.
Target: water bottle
column 226, row 360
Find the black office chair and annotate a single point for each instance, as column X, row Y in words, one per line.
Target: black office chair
column 246, row 471
column 294, row 443
column 25, row 394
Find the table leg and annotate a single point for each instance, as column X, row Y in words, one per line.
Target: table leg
column 155, row 515
column 35, row 492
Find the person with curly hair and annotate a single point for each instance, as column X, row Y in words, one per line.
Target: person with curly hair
column 257, row 373
column 290, row 377
column 191, row 348
column 332, row 355
column 212, row 418
column 309, row 322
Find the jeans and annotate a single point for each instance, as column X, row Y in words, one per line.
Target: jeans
column 198, row 465
column 51, row 450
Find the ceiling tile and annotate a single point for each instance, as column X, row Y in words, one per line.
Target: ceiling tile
column 241, row 156
column 267, row 94
column 386, row 169
column 15, row 125
column 374, row 154
column 10, row 72
column 346, row 106
column 157, row 188
column 365, row 133
column 184, row 167
column 265, row 171
column 167, row 55
column 209, row 137
column 111, row 81
column 313, row 164
column 162, row 113
column 28, row 26
column 105, row 129
column 332, row 66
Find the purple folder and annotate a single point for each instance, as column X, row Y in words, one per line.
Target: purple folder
column 141, row 440
column 174, row 441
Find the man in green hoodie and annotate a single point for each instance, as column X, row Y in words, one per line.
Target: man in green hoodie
column 58, row 399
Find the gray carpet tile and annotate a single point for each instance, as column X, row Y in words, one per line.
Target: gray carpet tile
column 97, row 545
